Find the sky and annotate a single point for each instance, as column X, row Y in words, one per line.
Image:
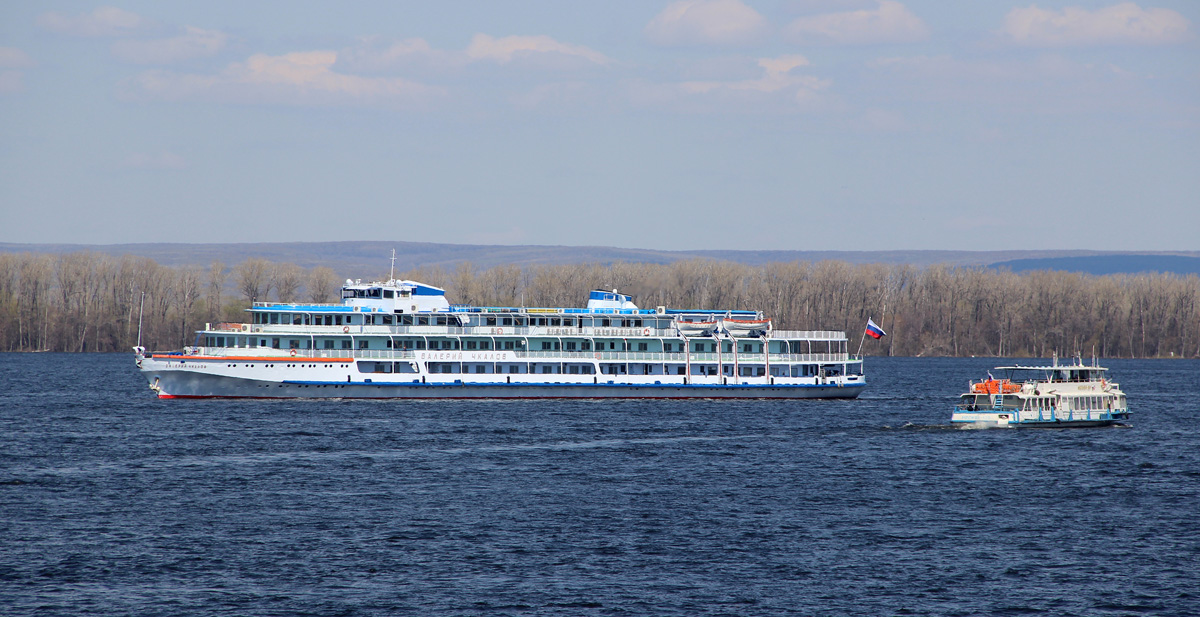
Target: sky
column 694, row 124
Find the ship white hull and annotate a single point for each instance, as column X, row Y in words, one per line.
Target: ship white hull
column 1079, row 419
column 193, row 384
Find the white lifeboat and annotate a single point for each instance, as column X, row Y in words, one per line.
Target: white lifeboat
column 695, row 328
column 742, row 327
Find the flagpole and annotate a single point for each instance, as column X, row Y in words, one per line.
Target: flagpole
column 864, row 339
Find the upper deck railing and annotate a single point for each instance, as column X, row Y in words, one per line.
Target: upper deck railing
column 490, row 331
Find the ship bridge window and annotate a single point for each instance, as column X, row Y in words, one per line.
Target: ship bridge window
column 387, row 293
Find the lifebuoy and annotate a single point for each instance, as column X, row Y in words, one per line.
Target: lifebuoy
column 645, row 331
column 345, row 328
column 293, row 352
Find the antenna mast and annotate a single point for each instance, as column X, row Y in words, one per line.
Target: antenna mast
column 392, row 276
column 141, row 306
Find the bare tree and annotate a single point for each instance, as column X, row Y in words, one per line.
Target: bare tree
column 287, row 280
column 322, row 285
column 216, row 287
column 253, row 278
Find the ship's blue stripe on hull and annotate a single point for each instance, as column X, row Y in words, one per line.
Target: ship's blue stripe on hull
column 546, row 384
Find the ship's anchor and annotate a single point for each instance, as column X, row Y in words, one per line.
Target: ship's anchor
column 154, row 386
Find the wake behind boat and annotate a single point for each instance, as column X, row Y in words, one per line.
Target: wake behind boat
column 403, row 339
column 1056, row 396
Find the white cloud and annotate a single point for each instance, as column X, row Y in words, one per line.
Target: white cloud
column 299, row 78
column 104, row 21
column 13, row 58
column 505, row 49
column 374, row 55
column 707, row 22
column 1121, row 24
column 371, row 55
column 777, row 76
column 193, row 43
column 889, row 22
column 12, row 80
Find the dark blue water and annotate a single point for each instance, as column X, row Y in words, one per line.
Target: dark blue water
column 115, row 503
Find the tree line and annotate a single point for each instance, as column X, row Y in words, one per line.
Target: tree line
column 91, row 302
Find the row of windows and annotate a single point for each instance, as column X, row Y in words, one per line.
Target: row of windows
column 386, row 319
column 568, row 368
column 470, row 345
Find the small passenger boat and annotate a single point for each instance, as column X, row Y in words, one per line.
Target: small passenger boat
column 1056, row 396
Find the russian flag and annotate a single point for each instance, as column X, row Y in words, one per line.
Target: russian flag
column 874, row 331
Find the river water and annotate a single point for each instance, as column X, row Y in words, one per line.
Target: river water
column 113, row 502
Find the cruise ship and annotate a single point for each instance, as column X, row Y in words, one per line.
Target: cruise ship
column 403, row 339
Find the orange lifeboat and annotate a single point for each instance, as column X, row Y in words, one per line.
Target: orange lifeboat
column 995, row 386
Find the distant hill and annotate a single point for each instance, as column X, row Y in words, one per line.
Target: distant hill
column 1107, row 264
column 368, row 259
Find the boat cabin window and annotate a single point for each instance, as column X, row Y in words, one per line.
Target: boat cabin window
column 387, row 293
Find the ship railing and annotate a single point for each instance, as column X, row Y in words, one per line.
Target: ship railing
column 489, row 331
column 815, row 335
column 476, row 331
column 560, row 355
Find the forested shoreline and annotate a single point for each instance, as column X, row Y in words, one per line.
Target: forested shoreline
column 90, row 302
